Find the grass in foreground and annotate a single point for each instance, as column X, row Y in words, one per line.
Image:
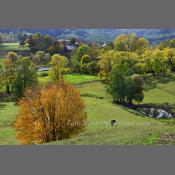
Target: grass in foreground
column 131, row 128
column 7, row 116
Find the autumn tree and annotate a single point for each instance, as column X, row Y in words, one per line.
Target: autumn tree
column 131, row 43
column 155, row 61
column 12, row 56
column 58, row 66
column 107, row 60
column 57, row 47
column 142, row 45
column 53, row 113
column 120, row 43
column 169, row 54
column 93, row 51
column 8, row 74
column 38, row 42
column 148, row 62
column 41, row 57
column 8, row 71
column 129, row 63
column 160, row 63
column 125, row 61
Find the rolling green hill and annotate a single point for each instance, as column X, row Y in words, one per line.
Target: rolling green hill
column 12, row 47
column 131, row 128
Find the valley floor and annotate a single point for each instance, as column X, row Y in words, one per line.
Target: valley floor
column 130, row 129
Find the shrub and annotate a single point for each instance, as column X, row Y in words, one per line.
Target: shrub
column 55, row 112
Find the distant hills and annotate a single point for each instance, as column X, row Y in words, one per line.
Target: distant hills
column 155, row 36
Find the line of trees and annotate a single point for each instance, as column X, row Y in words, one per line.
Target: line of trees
column 123, row 65
column 128, row 53
column 17, row 74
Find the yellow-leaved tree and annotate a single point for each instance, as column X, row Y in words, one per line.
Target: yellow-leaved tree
column 52, row 113
column 58, row 66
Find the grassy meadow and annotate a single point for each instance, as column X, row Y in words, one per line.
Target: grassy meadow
column 72, row 78
column 12, row 47
column 7, row 47
column 131, row 128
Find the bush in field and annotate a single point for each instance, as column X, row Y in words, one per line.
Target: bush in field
column 53, row 113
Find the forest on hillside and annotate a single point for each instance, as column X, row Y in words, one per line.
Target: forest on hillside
column 154, row 36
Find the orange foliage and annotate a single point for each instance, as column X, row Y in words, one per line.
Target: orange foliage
column 53, row 113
